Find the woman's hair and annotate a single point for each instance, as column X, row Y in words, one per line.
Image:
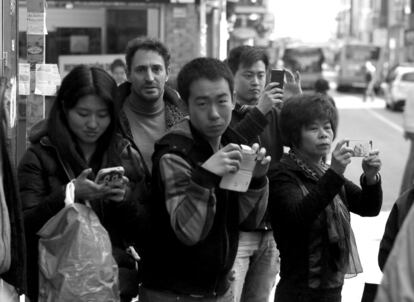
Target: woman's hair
column 302, row 110
column 80, row 82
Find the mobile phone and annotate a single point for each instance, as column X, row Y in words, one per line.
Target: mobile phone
column 240, row 180
column 278, row 75
column 109, row 176
column 360, row 148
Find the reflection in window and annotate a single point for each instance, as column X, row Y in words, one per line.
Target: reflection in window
column 124, row 25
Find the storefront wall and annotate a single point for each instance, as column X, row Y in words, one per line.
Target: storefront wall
column 92, row 30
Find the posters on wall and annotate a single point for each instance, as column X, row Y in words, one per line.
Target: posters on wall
column 47, row 79
column 67, row 62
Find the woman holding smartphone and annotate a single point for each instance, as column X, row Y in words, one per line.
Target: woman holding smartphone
column 310, row 203
column 76, row 141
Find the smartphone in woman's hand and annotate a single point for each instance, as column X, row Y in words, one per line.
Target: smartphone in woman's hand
column 109, row 176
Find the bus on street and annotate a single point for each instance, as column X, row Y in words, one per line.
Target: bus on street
column 307, row 60
column 353, row 59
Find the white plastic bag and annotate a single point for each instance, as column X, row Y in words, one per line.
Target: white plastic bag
column 75, row 257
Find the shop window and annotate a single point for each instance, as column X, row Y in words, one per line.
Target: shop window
column 124, row 25
column 72, row 41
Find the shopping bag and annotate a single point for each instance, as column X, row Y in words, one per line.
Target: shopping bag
column 75, row 258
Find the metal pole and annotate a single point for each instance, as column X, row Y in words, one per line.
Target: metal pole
column 36, row 13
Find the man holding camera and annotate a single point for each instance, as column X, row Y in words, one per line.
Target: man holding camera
column 257, row 259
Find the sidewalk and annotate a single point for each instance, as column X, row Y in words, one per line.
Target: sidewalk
column 368, row 232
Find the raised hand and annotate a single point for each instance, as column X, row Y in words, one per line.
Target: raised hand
column 270, row 96
column 371, row 165
column 262, row 161
column 88, row 190
column 341, row 157
column 293, row 84
column 118, row 190
column 226, row 160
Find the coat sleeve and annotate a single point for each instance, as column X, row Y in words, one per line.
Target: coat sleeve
column 288, row 204
column 366, row 201
column 39, row 204
column 250, row 125
column 189, row 197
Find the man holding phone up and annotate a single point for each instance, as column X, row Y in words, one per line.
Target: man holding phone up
column 257, row 260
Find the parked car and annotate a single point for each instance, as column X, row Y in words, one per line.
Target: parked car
column 397, row 84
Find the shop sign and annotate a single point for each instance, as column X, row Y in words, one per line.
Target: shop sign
column 244, row 33
column 34, row 50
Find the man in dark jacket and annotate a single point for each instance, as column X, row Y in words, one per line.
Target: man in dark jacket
column 195, row 222
column 257, row 260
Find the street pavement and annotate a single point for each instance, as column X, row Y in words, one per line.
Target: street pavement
column 368, row 230
column 368, row 233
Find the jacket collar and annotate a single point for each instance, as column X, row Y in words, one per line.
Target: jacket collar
column 290, row 164
column 185, row 128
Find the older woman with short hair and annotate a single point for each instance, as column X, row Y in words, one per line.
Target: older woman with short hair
column 310, row 203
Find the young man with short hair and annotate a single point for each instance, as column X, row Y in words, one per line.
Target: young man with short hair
column 195, row 223
column 257, row 260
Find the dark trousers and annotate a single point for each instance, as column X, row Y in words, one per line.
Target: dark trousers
column 297, row 295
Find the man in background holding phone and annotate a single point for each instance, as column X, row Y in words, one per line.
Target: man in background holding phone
column 257, row 260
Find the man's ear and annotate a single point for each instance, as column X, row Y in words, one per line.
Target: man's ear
column 233, row 100
column 167, row 71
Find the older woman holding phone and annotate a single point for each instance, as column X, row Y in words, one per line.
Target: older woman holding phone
column 77, row 140
column 310, row 203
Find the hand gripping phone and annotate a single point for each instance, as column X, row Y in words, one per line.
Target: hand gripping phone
column 109, row 176
column 240, row 180
column 278, row 75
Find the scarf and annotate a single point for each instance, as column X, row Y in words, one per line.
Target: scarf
column 341, row 237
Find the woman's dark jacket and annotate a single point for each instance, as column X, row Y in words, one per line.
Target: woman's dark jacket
column 300, row 222
column 43, row 176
